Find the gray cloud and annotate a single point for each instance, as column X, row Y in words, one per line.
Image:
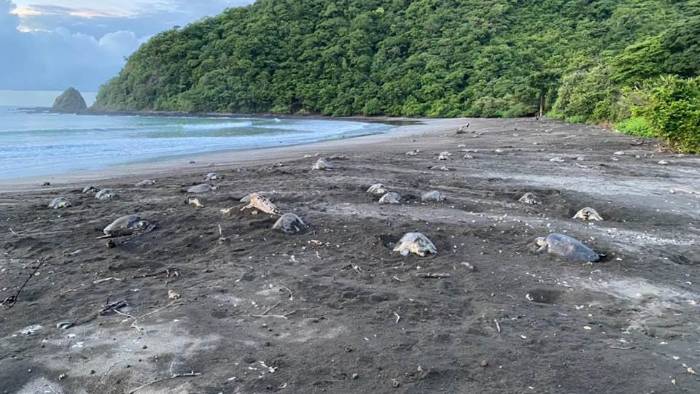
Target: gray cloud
column 59, row 46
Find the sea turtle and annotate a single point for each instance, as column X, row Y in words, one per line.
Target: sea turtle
column 567, row 247
column 212, row 176
column 530, row 198
column 127, row 225
column 199, row 189
column 261, row 203
column 195, row 202
column 145, row 182
column 390, row 198
column 90, row 189
column 59, row 203
column 105, row 194
column 587, row 214
column 415, row 243
column 290, row 223
column 322, row 165
column 463, row 129
column 432, row 196
column 378, row 189
column 444, row 155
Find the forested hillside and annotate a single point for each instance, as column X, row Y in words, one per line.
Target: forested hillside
column 581, row 60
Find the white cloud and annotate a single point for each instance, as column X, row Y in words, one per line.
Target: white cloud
column 53, row 44
column 120, row 43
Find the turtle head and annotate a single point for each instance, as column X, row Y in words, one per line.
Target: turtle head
column 541, row 242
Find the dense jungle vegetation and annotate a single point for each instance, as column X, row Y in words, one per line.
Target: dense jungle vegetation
column 631, row 63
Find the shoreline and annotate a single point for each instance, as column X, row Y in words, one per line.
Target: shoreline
column 231, row 157
column 264, row 115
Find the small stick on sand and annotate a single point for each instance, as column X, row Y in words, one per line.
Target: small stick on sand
column 13, row 232
column 221, row 235
column 429, row 275
column 12, row 300
column 167, row 271
column 174, row 303
column 136, row 318
column 622, row 348
column 398, row 317
column 271, row 308
column 98, row 281
column 498, row 326
column 174, row 376
column 128, row 316
column 276, row 316
column 112, row 307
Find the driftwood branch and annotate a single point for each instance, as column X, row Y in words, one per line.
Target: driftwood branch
column 174, row 376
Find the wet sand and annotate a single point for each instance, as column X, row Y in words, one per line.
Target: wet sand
column 334, row 309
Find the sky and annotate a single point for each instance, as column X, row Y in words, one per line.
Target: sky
column 55, row 44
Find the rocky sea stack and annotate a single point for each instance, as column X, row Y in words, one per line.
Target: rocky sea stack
column 70, row 101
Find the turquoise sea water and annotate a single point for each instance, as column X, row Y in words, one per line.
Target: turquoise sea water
column 41, row 144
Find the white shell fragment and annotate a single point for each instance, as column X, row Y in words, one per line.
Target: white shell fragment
column 587, row 214
column 290, row 223
column 261, row 203
column 105, row 194
column 195, row 202
column 199, row 189
column 390, row 198
column 567, row 248
column 59, row 203
column 415, row 243
column 530, row 198
column 127, row 225
column 322, row 165
column 377, row 189
column 432, row 196
column 414, row 152
column 444, row 155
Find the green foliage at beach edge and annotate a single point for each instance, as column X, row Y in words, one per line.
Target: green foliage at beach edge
column 632, row 63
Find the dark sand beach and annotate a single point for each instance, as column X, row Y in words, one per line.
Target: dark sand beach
column 214, row 303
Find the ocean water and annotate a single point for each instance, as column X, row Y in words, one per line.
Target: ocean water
column 34, row 144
